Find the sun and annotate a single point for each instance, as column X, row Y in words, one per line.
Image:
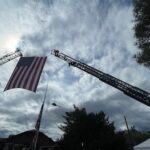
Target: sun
column 12, row 43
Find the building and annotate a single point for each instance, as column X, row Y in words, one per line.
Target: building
column 2, row 143
column 23, row 141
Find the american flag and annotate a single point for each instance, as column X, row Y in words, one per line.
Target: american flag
column 27, row 73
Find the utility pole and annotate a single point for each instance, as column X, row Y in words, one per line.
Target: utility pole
column 130, row 137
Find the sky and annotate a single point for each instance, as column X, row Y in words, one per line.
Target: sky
column 99, row 33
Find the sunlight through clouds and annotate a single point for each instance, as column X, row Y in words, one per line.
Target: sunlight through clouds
column 12, row 42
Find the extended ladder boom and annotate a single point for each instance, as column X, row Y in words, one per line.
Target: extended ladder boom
column 10, row 56
column 132, row 91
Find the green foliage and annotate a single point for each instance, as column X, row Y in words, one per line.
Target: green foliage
column 142, row 30
column 90, row 131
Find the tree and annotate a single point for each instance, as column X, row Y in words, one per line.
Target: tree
column 89, row 131
column 142, row 30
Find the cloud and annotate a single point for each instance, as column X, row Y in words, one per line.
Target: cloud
column 98, row 33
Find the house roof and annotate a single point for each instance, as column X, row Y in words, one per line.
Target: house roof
column 2, row 139
column 26, row 138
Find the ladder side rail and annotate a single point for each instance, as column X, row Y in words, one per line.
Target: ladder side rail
column 136, row 95
column 118, row 85
column 115, row 79
column 112, row 78
column 102, row 76
column 128, row 89
column 72, row 60
column 11, row 53
column 9, row 57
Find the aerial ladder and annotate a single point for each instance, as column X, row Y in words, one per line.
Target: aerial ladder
column 10, row 56
column 132, row 91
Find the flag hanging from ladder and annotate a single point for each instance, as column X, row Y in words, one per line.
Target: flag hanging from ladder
column 27, row 73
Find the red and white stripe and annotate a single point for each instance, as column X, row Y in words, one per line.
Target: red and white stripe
column 27, row 77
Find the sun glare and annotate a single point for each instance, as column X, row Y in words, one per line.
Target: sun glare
column 11, row 43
